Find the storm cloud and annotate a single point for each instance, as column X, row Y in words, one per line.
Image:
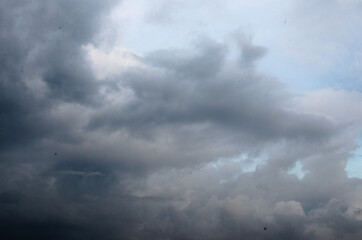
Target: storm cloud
column 182, row 144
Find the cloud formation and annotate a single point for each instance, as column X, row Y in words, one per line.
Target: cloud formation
column 180, row 144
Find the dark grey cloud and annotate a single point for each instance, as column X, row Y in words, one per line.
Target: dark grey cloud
column 183, row 89
column 42, row 40
column 193, row 144
column 249, row 52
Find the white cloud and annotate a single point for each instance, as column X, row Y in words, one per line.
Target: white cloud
column 108, row 63
column 289, row 208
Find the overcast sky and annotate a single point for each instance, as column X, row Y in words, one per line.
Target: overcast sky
column 179, row 119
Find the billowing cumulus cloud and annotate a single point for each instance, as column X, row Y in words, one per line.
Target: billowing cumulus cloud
column 172, row 144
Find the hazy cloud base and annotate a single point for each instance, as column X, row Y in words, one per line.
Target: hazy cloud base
column 180, row 145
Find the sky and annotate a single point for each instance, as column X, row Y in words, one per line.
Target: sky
column 180, row 119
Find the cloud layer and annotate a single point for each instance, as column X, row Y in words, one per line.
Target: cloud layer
column 180, row 144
